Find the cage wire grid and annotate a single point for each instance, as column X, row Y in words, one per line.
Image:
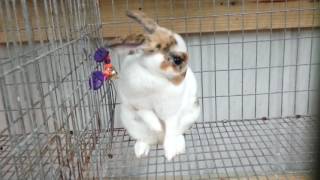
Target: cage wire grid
column 54, row 127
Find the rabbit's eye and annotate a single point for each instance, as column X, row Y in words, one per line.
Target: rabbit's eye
column 177, row 60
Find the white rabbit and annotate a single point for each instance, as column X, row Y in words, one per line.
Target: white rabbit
column 157, row 88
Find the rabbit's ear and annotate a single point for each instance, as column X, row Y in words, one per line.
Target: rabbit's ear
column 131, row 40
column 149, row 24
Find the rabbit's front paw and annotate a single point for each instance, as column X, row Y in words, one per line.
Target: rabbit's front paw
column 141, row 149
column 174, row 146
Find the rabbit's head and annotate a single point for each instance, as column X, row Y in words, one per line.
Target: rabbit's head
column 171, row 64
column 164, row 52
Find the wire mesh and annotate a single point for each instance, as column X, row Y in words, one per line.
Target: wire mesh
column 229, row 149
column 256, row 65
column 50, row 120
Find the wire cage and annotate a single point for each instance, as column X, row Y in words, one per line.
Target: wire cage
column 256, row 65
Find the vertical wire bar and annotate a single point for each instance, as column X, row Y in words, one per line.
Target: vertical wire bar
column 85, row 16
column 93, row 22
column 215, row 66
column 37, row 69
column 242, row 54
column 93, row 100
column 201, row 73
column 26, row 79
column 13, row 64
column 215, row 79
column 171, row 15
column 35, row 7
column 10, row 25
column 56, row 20
column 59, row 93
column 48, row 25
column 78, row 18
column 41, row 93
column 256, row 59
column 228, row 29
column 270, row 57
column 66, row 23
column 52, row 89
column 52, row 106
column 27, row 96
column 72, row 103
column 80, row 95
column 99, row 24
column 201, row 76
column 44, row 117
column 113, row 15
column 71, row 19
column 297, row 59
column 215, row 61
column 185, row 12
column 96, row 127
column 52, row 23
column 8, row 119
column 87, row 108
column 3, row 29
column 86, row 101
column 96, row 99
column 18, row 29
column 11, row 38
column 276, row 146
column 129, row 29
column 310, row 58
column 6, row 28
column 77, row 129
column 27, row 21
column 291, row 126
column 68, row 56
column 84, row 27
column 35, row 127
column 201, row 60
column 79, row 91
column 283, row 57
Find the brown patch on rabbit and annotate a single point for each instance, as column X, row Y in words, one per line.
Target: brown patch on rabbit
column 149, row 24
column 165, row 65
column 157, row 38
column 159, row 41
column 178, row 79
column 176, row 61
column 129, row 40
column 179, row 61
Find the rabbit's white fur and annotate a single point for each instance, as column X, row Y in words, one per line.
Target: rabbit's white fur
column 153, row 109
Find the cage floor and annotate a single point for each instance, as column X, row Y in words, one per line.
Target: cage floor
column 277, row 148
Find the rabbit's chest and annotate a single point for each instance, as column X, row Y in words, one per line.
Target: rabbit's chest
column 137, row 81
column 150, row 93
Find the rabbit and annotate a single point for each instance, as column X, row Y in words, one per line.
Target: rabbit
column 157, row 88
